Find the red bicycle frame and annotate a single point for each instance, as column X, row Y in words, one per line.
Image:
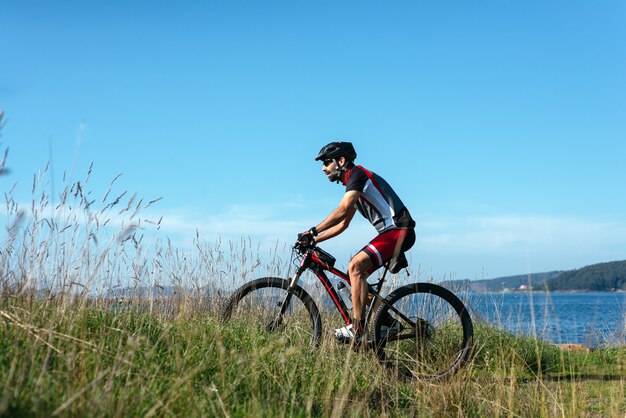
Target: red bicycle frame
column 320, row 262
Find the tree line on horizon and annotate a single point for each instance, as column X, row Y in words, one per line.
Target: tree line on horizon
column 597, row 277
column 602, row 277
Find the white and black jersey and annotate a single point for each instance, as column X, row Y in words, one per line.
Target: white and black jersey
column 378, row 202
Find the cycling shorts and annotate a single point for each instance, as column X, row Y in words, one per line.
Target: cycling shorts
column 392, row 242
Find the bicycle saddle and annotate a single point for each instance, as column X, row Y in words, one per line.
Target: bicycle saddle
column 398, row 263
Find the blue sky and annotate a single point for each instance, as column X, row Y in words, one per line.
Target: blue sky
column 501, row 124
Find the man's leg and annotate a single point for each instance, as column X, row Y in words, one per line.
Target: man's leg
column 359, row 270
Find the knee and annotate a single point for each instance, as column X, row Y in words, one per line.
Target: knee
column 357, row 269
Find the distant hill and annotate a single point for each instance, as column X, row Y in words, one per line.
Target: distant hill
column 534, row 280
column 597, row 277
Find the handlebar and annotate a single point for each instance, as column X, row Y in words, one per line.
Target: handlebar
column 302, row 246
column 304, row 242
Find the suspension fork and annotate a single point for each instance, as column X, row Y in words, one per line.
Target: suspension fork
column 290, row 290
column 296, row 278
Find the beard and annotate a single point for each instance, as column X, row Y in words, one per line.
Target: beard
column 334, row 176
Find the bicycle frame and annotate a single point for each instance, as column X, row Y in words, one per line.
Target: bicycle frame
column 312, row 261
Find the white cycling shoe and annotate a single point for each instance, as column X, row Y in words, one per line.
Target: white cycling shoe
column 346, row 334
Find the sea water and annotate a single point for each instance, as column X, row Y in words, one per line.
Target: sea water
column 590, row 318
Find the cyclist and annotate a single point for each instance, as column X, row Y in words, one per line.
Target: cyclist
column 372, row 196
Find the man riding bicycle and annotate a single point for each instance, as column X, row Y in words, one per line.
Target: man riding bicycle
column 372, row 196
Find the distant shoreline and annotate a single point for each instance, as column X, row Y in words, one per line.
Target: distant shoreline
column 515, row 291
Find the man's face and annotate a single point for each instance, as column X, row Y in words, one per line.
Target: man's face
column 331, row 169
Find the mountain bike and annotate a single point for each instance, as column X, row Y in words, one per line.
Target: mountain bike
column 432, row 332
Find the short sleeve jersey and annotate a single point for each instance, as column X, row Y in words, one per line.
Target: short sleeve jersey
column 378, row 202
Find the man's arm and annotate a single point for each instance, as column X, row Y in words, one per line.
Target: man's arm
column 340, row 218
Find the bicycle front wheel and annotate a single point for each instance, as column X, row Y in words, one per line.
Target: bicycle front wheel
column 270, row 304
column 423, row 331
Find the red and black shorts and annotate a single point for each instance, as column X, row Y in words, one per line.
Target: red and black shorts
column 393, row 242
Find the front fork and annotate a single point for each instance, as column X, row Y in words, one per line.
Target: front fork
column 284, row 305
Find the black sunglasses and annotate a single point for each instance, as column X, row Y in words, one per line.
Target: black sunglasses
column 327, row 162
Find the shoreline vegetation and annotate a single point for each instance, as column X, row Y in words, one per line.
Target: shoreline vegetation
column 552, row 291
column 600, row 277
column 66, row 350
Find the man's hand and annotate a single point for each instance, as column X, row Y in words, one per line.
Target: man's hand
column 307, row 239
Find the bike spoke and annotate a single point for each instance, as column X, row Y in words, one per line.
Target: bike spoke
column 277, row 311
column 433, row 340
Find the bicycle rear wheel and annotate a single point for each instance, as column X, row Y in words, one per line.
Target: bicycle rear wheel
column 261, row 302
column 427, row 335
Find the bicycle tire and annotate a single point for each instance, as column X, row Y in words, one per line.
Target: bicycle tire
column 259, row 301
column 436, row 342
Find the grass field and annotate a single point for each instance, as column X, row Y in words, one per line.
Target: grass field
column 64, row 358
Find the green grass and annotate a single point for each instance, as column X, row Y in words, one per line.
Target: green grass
column 79, row 359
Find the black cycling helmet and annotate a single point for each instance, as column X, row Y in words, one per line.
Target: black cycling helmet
column 335, row 150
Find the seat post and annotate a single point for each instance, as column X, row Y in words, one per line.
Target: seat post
column 379, row 284
column 374, row 289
